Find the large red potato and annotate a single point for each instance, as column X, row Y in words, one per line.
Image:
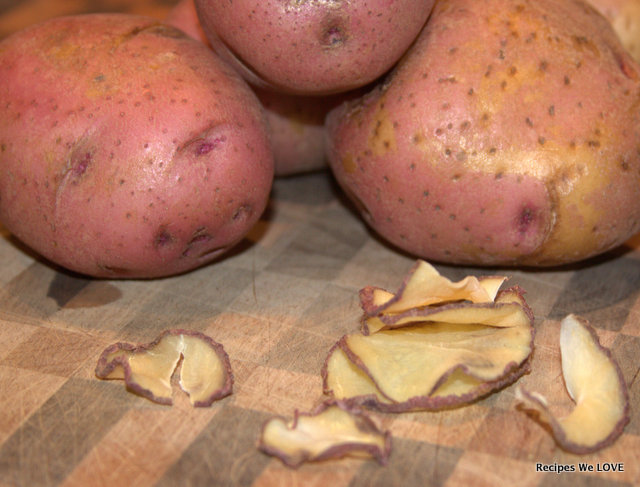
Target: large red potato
column 508, row 135
column 311, row 46
column 127, row 148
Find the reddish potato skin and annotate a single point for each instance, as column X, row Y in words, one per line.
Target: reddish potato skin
column 297, row 129
column 312, row 47
column 624, row 16
column 127, row 148
column 296, row 126
column 508, row 135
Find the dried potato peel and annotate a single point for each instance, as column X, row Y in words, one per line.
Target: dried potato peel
column 333, row 430
column 205, row 372
column 425, row 286
column 460, row 346
column 594, row 381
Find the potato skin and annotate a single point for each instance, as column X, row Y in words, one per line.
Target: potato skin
column 509, row 135
column 127, row 148
column 297, row 128
column 310, row 46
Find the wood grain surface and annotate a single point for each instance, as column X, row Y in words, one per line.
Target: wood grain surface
column 277, row 304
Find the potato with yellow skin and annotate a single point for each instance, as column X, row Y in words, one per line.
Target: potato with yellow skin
column 127, row 148
column 508, row 135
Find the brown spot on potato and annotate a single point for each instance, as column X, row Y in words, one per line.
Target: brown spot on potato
column 583, row 43
column 333, row 33
column 242, row 213
column 525, row 219
column 162, row 238
column 624, row 164
column 349, row 164
column 208, row 145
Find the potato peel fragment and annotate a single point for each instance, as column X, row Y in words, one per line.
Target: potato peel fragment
column 595, row 383
column 205, row 372
column 508, row 310
column 334, row 430
column 455, row 388
column 449, row 346
column 424, row 286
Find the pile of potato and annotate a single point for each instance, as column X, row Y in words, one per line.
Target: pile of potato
column 502, row 132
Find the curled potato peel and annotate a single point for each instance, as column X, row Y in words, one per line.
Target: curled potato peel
column 594, row 382
column 425, row 286
column 335, row 429
column 205, row 370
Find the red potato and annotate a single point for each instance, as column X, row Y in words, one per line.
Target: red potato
column 508, row 135
column 624, row 16
column 312, row 47
column 127, row 148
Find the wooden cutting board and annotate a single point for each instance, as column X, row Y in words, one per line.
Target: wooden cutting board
column 277, row 304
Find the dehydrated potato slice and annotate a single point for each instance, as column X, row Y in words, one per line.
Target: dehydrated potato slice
column 435, row 364
column 458, row 388
column 508, row 309
column 594, row 381
column 205, row 372
column 333, row 430
column 424, row 286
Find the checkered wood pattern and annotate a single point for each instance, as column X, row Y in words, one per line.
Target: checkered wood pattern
column 277, row 304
